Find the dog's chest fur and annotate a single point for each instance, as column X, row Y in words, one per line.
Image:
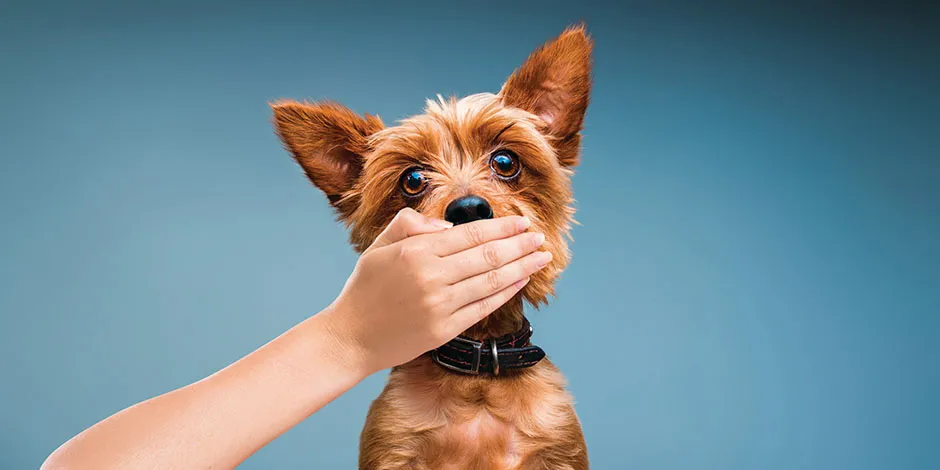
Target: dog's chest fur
column 430, row 418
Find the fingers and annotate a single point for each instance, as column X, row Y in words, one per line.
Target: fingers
column 491, row 255
column 408, row 223
column 470, row 314
column 476, row 233
column 489, row 283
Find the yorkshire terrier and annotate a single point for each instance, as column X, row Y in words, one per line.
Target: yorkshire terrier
column 488, row 399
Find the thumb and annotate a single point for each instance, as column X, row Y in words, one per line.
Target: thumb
column 408, row 223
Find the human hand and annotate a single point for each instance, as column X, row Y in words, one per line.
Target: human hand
column 421, row 283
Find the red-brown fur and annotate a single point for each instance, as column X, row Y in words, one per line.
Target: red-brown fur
column 428, row 418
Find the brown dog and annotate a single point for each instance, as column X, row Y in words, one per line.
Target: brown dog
column 480, row 156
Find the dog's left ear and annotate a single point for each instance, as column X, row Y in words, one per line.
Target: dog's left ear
column 554, row 84
column 329, row 142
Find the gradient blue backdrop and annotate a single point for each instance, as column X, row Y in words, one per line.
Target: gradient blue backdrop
column 758, row 260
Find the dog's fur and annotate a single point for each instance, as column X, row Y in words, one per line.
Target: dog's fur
column 429, row 418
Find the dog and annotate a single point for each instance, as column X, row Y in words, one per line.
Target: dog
column 487, row 400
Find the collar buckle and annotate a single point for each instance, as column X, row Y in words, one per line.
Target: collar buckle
column 477, row 354
column 472, row 357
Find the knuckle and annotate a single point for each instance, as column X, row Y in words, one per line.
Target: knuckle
column 483, row 307
column 533, row 241
column 421, row 282
column 509, row 227
column 474, row 234
column 493, row 280
column 528, row 264
column 491, row 255
column 409, row 217
column 429, row 303
column 437, row 303
column 409, row 252
column 447, row 299
column 400, row 215
column 428, row 278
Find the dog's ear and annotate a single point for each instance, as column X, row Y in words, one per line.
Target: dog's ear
column 329, row 141
column 554, row 84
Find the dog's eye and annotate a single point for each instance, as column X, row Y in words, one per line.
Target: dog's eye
column 413, row 182
column 505, row 164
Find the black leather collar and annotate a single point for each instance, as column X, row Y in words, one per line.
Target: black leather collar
column 490, row 356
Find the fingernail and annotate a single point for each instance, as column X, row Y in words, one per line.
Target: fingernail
column 538, row 239
column 521, row 282
column 544, row 259
column 523, row 223
column 440, row 223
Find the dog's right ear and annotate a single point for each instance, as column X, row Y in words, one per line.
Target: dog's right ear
column 329, row 142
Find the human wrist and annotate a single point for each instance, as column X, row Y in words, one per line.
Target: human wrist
column 343, row 344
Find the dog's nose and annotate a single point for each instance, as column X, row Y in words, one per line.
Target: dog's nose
column 468, row 209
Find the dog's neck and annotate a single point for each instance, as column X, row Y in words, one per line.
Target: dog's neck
column 505, row 320
column 501, row 342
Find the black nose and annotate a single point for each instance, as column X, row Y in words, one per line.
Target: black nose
column 468, row 209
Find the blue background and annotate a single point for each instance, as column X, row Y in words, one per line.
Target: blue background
column 758, row 261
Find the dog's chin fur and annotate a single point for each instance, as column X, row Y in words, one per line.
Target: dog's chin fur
column 537, row 115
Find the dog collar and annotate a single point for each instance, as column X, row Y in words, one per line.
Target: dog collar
column 468, row 356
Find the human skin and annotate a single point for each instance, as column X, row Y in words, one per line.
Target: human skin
column 420, row 284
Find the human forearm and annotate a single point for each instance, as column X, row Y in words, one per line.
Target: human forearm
column 219, row 421
column 417, row 286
